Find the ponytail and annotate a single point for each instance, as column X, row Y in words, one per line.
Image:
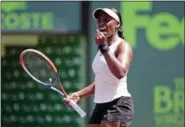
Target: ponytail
column 120, row 32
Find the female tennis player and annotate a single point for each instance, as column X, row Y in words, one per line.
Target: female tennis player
column 114, row 104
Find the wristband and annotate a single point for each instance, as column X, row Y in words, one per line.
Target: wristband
column 103, row 48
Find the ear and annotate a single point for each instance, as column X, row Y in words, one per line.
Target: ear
column 118, row 25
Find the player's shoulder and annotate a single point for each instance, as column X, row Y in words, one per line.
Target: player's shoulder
column 124, row 44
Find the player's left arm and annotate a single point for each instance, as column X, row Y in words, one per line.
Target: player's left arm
column 119, row 64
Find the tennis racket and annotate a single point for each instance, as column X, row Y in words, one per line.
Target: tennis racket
column 41, row 69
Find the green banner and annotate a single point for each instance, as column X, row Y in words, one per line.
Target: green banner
column 155, row 30
column 40, row 16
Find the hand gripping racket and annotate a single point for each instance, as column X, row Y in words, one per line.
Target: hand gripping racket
column 41, row 69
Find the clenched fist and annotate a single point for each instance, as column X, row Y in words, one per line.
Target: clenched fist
column 100, row 38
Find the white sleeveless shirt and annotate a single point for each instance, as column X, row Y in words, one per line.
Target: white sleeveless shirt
column 107, row 86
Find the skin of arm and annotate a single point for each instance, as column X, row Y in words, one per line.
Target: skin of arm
column 119, row 65
column 118, row 62
column 89, row 90
column 76, row 96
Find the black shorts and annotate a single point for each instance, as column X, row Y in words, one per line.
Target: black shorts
column 120, row 110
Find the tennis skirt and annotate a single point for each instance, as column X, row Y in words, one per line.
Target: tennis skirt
column 120, row 110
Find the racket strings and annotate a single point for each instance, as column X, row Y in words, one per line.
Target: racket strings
column 40, row 68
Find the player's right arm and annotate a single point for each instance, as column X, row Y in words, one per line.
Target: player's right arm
column 89, row 90
column 76, row 96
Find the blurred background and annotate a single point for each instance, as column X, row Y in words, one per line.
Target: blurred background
column 65, row 31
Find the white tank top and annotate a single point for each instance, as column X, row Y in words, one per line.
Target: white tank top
column 107, row 86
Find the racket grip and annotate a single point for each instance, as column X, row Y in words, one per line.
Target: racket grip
column 77, row 108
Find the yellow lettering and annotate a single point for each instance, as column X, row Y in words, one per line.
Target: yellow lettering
column 47, row 21
column 163, row 31
column 169, row 119
column 162, row 101
column 129, row 13
column 36, row 18
column 12, row 21
column 179, row 101
column 25, row 21
column 179, row 83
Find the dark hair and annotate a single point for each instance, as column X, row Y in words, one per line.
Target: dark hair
column 120, row 31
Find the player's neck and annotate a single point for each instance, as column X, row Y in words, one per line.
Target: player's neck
column 112, row 38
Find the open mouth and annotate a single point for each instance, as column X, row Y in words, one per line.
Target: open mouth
column 103, row 28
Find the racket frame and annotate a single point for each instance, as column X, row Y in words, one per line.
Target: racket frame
column 63, row 93
column 49, row 62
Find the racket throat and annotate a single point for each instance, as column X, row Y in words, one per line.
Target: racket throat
column 60, row 85
column 53, row 88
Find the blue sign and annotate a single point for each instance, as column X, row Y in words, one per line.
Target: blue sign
column 39, row 16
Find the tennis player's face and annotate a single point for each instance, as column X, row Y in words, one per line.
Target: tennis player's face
column 106, row 24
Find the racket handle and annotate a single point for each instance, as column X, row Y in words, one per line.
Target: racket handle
column 77, row 108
